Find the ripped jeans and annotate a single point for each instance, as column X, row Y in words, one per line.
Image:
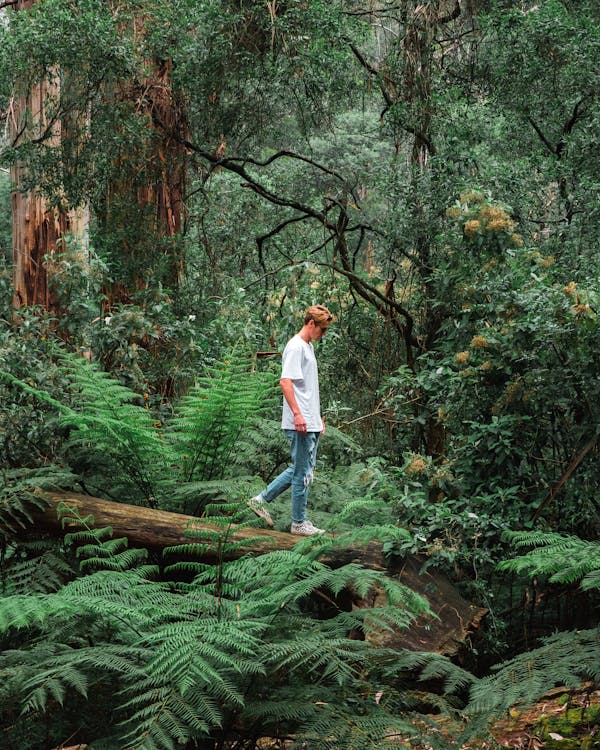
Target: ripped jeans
column 299, row 475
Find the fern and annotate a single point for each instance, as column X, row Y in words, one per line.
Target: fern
column 190, row 659
column 208, row 422
column 19, row 495
column 96, row 548
column 118, row 442
column 109, row 422
column 29, row 565
column 180, row 660
column 564, row 559
column 565, row 659
column 34, row 567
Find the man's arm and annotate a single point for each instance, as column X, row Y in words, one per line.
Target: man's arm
column 287, row 389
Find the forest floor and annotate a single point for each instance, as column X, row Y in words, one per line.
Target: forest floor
column 565, row 719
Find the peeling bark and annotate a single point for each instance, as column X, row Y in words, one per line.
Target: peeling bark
column 39, row 228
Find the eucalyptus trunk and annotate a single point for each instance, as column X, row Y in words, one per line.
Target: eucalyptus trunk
column 40, row 227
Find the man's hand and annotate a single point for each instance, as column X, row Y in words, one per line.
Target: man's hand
column 299, row 423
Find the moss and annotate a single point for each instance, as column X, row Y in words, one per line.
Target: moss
column 575, row 726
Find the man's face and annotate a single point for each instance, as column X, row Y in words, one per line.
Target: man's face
column 317, row 331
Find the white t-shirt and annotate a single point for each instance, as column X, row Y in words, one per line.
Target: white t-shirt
column 299, row 364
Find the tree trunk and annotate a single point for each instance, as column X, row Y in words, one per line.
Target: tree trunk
column 143, row 215
column 155, row 530
column 39, row 228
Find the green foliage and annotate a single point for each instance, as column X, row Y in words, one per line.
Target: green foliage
column 564, row 659
column 208, row 421
column 236, row 644
column 28, row 431
column 5, row 227
column 564, row 559
column 108, row 422
column 115, row 442
column 29, row 565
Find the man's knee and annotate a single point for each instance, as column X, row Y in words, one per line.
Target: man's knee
column 308, row 477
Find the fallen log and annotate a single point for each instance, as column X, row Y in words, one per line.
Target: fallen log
column 156, row 530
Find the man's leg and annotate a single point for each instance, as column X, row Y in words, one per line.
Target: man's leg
column 304, row 455
column 258, row 504
column 278, row 485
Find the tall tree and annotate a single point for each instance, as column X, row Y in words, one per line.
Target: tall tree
column 83, row 134
column 40, row 225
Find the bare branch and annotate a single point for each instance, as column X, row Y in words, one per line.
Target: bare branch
column 290, row 155
column 543, row 138
column 573, row 464
column 389, row 99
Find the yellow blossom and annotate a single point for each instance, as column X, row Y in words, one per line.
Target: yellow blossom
column 493, row 213
column 461, row 358
column 581, row 310
column 498, row 225
column 490, row 264
column 570, row 288
column 479, row 342
column 417, row 465
column 547, row 262
column 472, row 227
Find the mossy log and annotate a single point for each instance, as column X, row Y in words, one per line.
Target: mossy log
column 155, row 530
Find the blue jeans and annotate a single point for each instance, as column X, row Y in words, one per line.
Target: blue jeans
column 299, row 475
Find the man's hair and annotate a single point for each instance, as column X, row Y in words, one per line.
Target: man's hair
column 319, row 313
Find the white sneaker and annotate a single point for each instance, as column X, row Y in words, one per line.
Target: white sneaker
column 258, row 505
column 305, row 529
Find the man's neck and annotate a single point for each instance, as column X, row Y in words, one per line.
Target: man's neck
column 304, row 334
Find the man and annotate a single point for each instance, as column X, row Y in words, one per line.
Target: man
column 301, row 421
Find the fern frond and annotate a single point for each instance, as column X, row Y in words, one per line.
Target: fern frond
column 54, row 682
column 591, row 580
column 331, row 658
column 39, row 567
column 564, row 559
column 208, row 421
column 201, row 653
column 109, row 419
column 20, row 498
column 117, row 562
column 97, row 548
column 428, row 666
column 356, row 725
column 200, row 496
column 25, row 611
column 565, row 659
column 106, row 421
column 159, row 717
column 108, row 548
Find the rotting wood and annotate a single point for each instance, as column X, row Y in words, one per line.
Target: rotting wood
column 456, row 618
